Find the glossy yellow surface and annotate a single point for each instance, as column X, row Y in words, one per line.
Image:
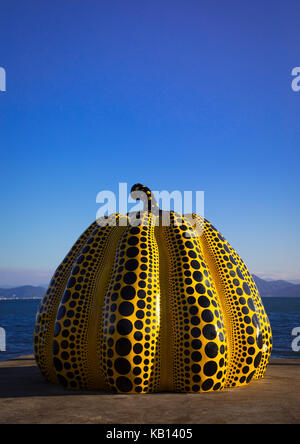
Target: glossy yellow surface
column 139, row 309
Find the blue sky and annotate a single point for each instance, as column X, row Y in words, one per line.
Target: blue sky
column 177, row 95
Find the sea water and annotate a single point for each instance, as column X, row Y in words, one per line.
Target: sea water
column 17, row 318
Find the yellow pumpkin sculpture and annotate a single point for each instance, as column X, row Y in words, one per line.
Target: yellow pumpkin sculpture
column 148, row 308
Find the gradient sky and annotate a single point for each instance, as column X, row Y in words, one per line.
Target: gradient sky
column 185, row 95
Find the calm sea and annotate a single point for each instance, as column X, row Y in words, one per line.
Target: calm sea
column 18, row 317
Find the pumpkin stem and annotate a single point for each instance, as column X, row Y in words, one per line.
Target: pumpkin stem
column 150, row 203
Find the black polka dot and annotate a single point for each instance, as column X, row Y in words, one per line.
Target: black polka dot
column 189, row 244
column 124, row 327
column 245, row 311
column 141, row 294
column 195, row 320
column 240, row 274
column 128, row 293
column 126, row 308
column 130, row 278
column 61, row 313
column 210, row 368
column 138, row 325
column 131, row 265
column 72, row 282
column 251, row 340
column 207, row 316
column 246, row 288
column 195, row 332
column 200, row 288
column 211, row 350
column 251, row 351
column 196, row 368
column 210, row 332
column 141, row 304
column 123, row 346
column 137, row 360
column 258, row 360
column 133, row 240
column 198, row 276
column 246, row 370
column 122, row 366
column 124, row 384
column 250, row 377
column 250, row 330
column 134, row 230
column 232, row 260
column 191, row 300
column 55, row 348
column 255, row 321
column 207, row 385
column 138, row 336
column 138, row 348
column 196, row 344
column 132, row 252
column 251, row 304
column 57, row 364
column 204, row 302
column 137, row 371
column 67, row 296
column 195, row 264
column 196, row 356
column 140, row 314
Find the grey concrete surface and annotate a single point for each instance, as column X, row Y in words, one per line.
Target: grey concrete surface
column 25, row 398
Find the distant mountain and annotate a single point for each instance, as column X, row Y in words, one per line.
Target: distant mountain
column 267, row 289
column 277, row 289
column 25, row 292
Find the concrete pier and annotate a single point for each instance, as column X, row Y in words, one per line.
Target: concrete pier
column 25, row 398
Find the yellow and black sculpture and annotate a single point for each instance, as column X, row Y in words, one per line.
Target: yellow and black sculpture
column 148, row 308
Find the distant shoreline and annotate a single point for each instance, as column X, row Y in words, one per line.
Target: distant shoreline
column 20, row 299
column 267, row 289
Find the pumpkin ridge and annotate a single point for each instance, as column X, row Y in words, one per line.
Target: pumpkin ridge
column 167, row 379
column 246, row 332
column 132, row 303
column 200, row 360
column 220, row 292
column 46, row 315
column 70, row 343
column 262, row 316
column 103, row 275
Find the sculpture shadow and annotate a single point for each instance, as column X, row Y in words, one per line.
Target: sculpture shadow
column 26, row 381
